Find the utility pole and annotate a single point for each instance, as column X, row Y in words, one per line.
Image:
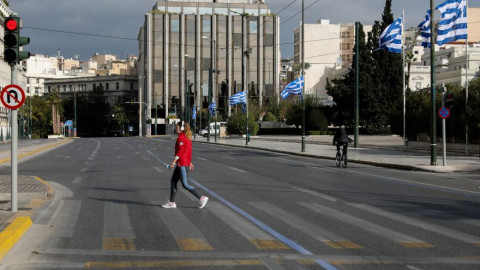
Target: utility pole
column 303, row 75
column 357, row 78
column 433, row 123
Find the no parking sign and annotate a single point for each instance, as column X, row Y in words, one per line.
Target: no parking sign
column 444, row 112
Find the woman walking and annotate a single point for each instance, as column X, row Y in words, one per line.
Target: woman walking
column 182, row 163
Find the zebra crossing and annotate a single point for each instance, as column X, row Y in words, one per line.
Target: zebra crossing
column 119, row 235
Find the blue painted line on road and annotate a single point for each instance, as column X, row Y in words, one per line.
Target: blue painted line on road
column 287, row 241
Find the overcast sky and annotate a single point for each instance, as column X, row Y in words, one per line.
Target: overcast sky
column 121, row 19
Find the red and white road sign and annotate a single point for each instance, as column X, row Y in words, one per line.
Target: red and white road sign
column 12, row 96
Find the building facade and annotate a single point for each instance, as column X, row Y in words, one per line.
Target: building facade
column 327, row 46
column 114, row 86
column 186, row 44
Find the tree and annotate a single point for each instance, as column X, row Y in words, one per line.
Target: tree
column 342, row 89
column 387, row 72
column 297, row 68
column 41, row 117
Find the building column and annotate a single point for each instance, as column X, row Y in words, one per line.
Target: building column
column 166, row 64
column 260, row 62
column 149, row 70
column 198, row 61
column 229, row 61
column 276, row 59
column 182, row 67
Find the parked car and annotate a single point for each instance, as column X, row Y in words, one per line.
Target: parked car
column 204, row 132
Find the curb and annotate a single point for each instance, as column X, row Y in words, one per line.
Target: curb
column 32, row 152
column 366, row 162
column 10, row 236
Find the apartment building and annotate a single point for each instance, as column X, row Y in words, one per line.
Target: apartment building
column 327, row 47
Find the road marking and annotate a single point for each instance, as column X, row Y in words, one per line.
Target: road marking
column 236, row 169
column 117, row 230
column 326, row 237
column 461, row 236
column 83, row 170
column 68, row 218
column 12, row 234
column 259, row 238
column 77, row 180
column 287, row 241
column 316, row 194
column 174, row 263
column 442, row 188
column 402, row 239
column 158, row 169
column 203, row 159
column 227, row 157
column 188, row 237
column 118, row 244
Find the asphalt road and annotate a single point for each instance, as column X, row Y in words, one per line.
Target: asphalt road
column 266, row 211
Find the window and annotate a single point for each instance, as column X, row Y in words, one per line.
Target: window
column 107, row 85
column 175, row 25
column 206, row 26
column 131, row 86
column 117, row 85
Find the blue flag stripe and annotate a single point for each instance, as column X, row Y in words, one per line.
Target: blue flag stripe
column 453, row 25
column 391, row 38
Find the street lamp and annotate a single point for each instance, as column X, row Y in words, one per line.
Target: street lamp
column 245, row 53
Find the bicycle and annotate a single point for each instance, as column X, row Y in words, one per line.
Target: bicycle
column 341, row 159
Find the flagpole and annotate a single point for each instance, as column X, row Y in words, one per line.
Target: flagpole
column 433, row 124
column 404, row 87
column 466, row 87
column 303, row 75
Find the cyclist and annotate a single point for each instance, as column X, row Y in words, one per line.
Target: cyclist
column 341, row 139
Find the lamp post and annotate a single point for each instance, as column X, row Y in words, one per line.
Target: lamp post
column 303, row 75
column 245, row 53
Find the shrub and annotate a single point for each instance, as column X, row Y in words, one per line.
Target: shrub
column 236, row 124
column 269, row 117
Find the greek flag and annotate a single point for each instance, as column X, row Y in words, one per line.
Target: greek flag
column 453, row 25
column 425, row 31
column 294, row 88
column 240, row 97
column 212, row 107
column 194, row 112
column 391, row 38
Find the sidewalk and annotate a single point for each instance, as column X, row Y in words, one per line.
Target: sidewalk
column 383, row 151
column 32, row 192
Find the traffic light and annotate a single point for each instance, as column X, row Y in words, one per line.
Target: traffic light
column 13, row 41
column 448, row 100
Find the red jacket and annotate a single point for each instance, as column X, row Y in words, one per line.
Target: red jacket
column 183, row 150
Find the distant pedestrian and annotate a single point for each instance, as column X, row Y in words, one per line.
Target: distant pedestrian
column 182, row 164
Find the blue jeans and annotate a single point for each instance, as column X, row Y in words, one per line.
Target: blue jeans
column 181, row 173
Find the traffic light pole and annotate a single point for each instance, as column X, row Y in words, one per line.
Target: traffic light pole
column 444, row 128
column 14, row 161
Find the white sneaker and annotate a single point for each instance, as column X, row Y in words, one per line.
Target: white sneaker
column 169, row 205
column 203, row 201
